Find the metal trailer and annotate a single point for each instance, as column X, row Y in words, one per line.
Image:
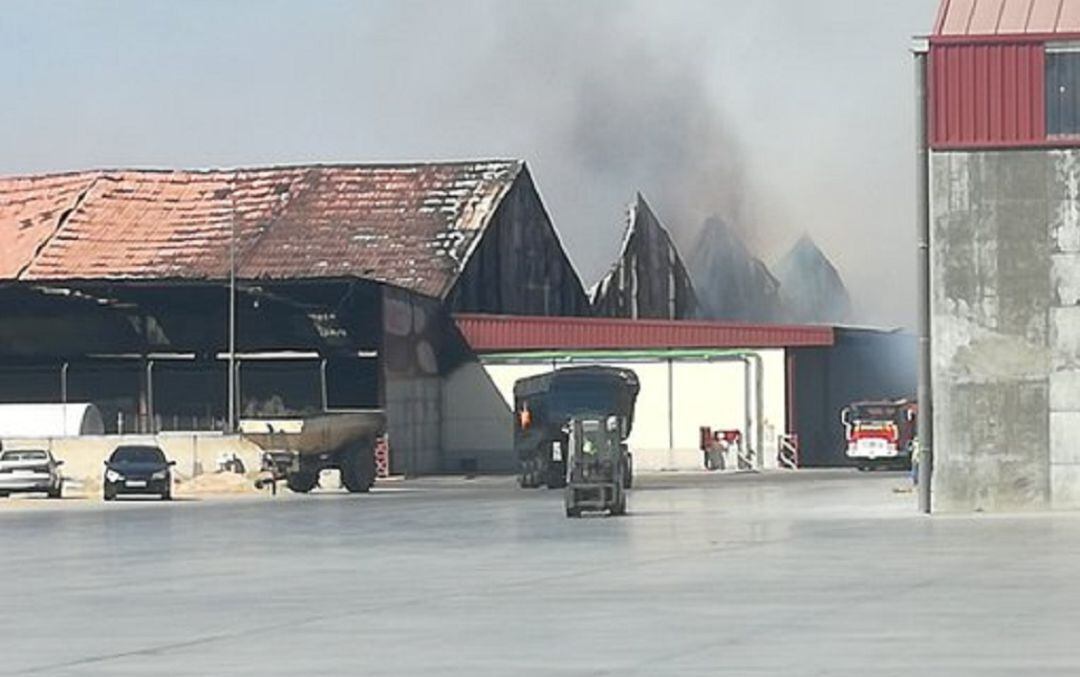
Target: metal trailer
column 297, row 449
column 596, row 468
column 545, row 404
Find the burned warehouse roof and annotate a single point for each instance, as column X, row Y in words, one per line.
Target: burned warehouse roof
column 409, row 225
column 649, row 279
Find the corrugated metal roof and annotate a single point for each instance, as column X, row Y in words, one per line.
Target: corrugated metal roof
column 1007, row 17
column 410, row 225
column 500, row 333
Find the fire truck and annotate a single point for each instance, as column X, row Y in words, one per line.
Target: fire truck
column 880, row 434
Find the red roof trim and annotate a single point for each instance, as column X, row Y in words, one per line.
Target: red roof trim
column 1003, row 38
column 505, row 333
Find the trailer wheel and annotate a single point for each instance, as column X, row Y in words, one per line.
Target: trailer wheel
column 357, row 469
column 302, row 482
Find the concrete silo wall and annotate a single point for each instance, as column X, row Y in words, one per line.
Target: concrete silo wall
column 1006, row 329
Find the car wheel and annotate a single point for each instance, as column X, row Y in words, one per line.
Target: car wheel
column 4, row 494
column 55, row 493
column 109, row 494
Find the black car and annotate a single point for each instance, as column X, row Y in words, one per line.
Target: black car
column 138, row 469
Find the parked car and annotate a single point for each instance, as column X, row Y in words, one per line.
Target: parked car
column 30, row 471
column 138, row 469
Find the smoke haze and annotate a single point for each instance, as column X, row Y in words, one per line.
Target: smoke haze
column 779, row 116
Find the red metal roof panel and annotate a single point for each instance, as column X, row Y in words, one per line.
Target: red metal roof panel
column 1007, row 17
column 957, row 17
column 1043, row 17
column 500, row 333
column 1069, row 21
column 985, row 16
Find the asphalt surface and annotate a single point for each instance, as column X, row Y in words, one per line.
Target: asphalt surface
column 807, row 574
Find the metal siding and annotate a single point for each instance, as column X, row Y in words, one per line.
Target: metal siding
column 510, row 333
column 987, row 95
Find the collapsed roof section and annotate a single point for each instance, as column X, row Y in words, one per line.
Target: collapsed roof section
column 732, row 284
column 810, row 286
column 409, row 225
column 649, row 279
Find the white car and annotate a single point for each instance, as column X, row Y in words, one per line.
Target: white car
column 30, row 471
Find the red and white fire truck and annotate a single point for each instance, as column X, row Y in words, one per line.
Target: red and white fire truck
column 880, row 434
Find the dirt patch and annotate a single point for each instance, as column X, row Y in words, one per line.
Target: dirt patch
column 216, row 483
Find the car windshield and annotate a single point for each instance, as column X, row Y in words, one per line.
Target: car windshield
column 138, row 455
column 24, row 456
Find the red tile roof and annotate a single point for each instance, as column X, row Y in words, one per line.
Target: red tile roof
column 502, row 333
column 29, row 210
column 1007, row 17
column 410, row 225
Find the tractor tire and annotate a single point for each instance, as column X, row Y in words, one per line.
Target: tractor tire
column 530, row 474
column 572, row 510
column 555, row 475
column 357, row 469
column 618, row 508
column 302, row 482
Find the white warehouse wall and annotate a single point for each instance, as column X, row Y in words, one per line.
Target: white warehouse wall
column 702, row 392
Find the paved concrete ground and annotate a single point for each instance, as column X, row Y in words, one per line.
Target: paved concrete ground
column 814, row 574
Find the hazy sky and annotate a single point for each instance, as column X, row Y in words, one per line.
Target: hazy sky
column 783, row 116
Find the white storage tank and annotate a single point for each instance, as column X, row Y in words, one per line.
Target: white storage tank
column 50, row 420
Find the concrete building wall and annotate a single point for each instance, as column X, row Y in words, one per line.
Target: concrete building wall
column 413, row 424
column 413, row 352
column 84, row 456
column 1006, row 329
column 677, row 397
column 478, row 425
